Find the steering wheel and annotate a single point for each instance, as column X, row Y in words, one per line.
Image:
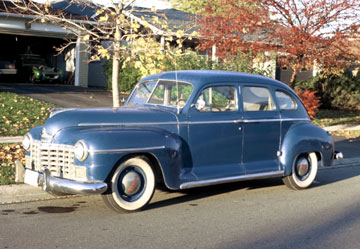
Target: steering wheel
column 180, row 102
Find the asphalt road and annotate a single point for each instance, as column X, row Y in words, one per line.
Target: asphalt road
column 256, row 214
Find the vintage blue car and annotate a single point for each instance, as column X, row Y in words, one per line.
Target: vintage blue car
column 182, row 130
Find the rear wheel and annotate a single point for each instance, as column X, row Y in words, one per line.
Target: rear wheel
column 303, row 173
column 131, row 187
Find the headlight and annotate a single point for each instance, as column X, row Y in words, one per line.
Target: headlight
column 81, row 151
column 26, row 142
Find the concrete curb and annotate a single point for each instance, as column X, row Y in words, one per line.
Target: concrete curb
column 20, row 193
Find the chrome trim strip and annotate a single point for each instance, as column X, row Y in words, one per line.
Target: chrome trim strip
column 212, row 122
column 237, row 121
column 128, row 124
column 126, row 150
column 208, row 182
column 274, row 120
column 295, row 119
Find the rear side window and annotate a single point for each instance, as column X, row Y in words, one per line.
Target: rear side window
column 257, row 99
column 285, row 101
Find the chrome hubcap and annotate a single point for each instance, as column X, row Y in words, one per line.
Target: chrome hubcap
column 131, row 183
column 302, row 167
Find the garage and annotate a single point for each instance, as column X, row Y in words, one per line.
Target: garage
column 16, row 49
column 25, row 41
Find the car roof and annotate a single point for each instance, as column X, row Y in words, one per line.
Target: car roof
column 200, row 77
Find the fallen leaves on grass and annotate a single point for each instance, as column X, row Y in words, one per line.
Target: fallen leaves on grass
column 325, row 118
column 347, row 133
column 18, row 114
column 8, row 154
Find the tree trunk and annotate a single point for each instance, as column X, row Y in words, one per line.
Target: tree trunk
column 293, row 77
column 116, row 63
column 115, row 80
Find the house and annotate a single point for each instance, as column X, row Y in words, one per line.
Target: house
column 25, row 33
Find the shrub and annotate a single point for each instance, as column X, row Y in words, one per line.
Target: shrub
column 336, row 91
column 128, row 76
column 310, row 101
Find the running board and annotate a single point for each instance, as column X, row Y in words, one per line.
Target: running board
column 215, row 181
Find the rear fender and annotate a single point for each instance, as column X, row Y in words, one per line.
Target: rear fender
column 305, row 138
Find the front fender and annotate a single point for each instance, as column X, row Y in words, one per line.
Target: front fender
column 108, row 146
column 36, row 132
column 302, row 138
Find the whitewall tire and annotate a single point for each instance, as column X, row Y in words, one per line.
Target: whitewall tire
column 304, row 171
column 131, row 186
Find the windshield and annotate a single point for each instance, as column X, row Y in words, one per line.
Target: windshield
column 166, row 93
column 34, row 61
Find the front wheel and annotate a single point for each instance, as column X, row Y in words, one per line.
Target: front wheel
column 303, row 173
column 131, row 187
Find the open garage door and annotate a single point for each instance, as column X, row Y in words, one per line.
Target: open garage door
column 31, row 58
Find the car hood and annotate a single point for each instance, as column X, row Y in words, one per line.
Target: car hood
column 108, row 117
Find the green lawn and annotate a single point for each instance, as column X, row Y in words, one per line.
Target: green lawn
column 8, row 154
column 336, row 117
column 18, row 114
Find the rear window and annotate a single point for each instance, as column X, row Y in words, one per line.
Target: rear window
column 285, row 101
column 257, row 99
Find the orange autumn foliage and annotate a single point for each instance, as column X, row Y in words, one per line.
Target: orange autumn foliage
column 310, row 101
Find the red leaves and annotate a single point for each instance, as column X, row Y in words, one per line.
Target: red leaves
column 310, row 101
column 300, row 31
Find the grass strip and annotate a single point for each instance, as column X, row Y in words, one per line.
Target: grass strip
column 8, row 154
column 18, row 114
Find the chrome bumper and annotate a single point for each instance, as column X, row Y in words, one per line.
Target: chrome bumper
column 49, row 183
column 338, row 155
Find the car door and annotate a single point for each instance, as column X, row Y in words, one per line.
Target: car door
column 215, row 132
column 261, row 129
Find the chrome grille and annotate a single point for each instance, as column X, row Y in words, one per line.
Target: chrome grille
column 58, row 158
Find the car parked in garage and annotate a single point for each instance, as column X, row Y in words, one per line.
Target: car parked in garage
column 33, row 68
column 182, row 130
column 7, row 67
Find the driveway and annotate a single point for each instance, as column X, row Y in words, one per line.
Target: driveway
column 63, row 95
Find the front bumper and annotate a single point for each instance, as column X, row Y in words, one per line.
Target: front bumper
column 49, row 183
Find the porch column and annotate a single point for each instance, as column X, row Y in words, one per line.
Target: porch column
column 81, row 65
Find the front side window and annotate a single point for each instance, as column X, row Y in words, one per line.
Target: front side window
column 171, row 93
column 285, row 101
column 165, row 93
column 217, row 99
column 257, row 99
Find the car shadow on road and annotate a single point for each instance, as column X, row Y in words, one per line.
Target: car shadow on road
column 325, row 176
column 190, row 195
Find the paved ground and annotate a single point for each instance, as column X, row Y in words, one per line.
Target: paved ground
column 254, row 214
column 62, row 95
